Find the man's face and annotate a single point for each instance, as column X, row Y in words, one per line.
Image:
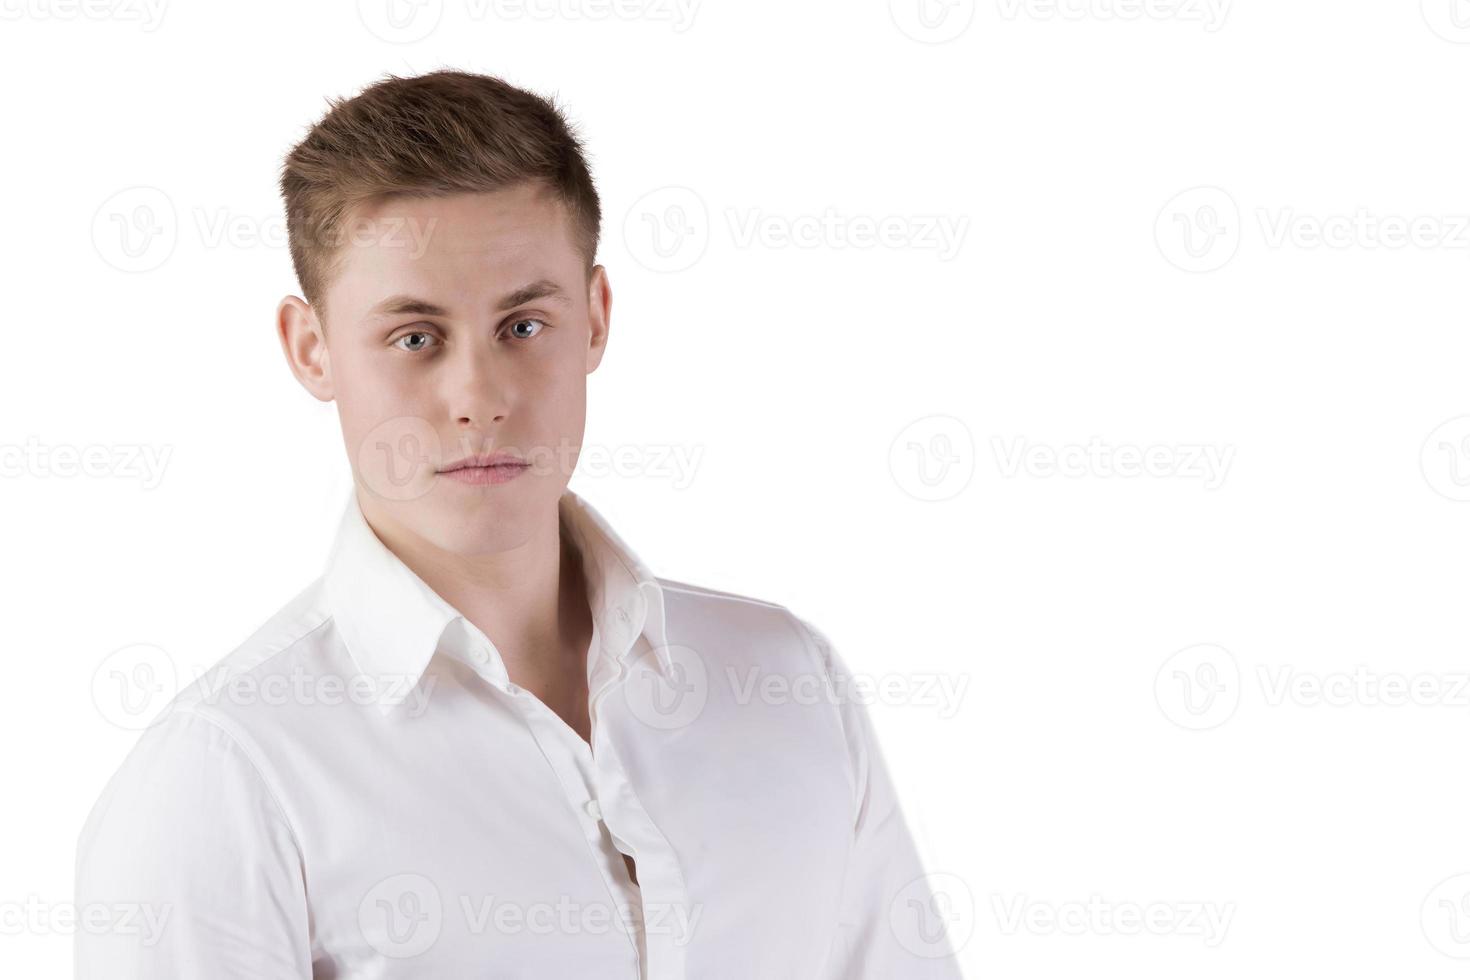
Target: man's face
column 457, row 327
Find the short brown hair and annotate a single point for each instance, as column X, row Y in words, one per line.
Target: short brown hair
column 445, row 132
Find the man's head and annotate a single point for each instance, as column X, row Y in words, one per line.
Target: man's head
column 444, row 232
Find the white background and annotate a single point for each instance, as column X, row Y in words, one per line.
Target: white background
column 1236, row 232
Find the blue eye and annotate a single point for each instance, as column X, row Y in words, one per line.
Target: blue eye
column 521, row 336
column 422, row 336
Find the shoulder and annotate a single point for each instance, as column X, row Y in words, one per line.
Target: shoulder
column 697, row 608
column 298, row 638
column 699, row 613
column 222, row 709
column 198, row 762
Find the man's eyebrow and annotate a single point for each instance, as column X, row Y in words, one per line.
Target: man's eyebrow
column 402, row 305
column 540, row 289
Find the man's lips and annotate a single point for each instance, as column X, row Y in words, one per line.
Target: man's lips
column 485, row 469
column 491, row 475
column 483, row 460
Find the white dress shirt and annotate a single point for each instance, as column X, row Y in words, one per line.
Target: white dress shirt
column 359, row 791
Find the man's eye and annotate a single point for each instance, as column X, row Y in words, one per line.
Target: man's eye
column 417, row 340
column 518, row 334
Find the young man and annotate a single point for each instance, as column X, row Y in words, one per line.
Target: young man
column 488, row 741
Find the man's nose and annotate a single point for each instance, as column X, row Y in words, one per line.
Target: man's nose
column 478, row 392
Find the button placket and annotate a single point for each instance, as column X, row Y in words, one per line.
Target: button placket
column 572, row 762
column 661, row 889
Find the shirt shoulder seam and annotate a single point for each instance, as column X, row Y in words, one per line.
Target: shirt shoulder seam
column 249, row 755
column 819, row 651
column 271, row 654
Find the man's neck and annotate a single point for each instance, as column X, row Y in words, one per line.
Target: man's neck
column 530, row 600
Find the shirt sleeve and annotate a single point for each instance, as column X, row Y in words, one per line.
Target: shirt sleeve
column 892, row 920
column 187, row 867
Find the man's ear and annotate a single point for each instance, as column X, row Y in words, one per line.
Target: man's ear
column 599, row 315
column 304, row 343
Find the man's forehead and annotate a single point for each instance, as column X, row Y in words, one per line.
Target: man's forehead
column 458, row 250
column 462, row 220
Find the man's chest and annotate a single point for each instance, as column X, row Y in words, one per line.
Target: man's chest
column 486, row 831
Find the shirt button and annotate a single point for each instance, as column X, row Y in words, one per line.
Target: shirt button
column 593, row 810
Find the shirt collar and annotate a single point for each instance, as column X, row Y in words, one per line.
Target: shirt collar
column 392, row 622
